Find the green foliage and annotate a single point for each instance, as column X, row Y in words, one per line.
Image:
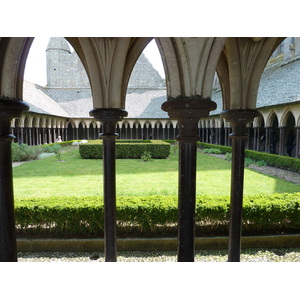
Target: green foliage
column 261, row 163
column 249, row 161
column 53, row 148
column 83, row 216
column 146, row 156
column 24, row 152
column 212, row 151
column 127, row 149
column 170, row 141
column 228, row 156
column 273, row 160
column 63, row 144
column 223, row 149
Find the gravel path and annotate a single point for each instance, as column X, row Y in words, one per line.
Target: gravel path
column 247, row 255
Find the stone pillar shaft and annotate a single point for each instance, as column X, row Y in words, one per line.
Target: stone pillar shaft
column 297, row 153
column 187, row 112
column 281, row 140
column 238, row 119
column 109, row 118
column 8, row 248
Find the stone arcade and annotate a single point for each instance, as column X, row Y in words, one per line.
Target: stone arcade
column 61, row 108
column 190, row 65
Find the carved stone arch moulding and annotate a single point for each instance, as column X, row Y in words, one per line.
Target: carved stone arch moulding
column 190, row 65
column 271, row 117
column 14, row 52
column 109, row 63
column 285, row 116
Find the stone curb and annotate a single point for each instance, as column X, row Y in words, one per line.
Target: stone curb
column 159, row 244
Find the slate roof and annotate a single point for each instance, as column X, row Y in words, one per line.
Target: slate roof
column 279, row 84
column 76, row 103
column 40, row 102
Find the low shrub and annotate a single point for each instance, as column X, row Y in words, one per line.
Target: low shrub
column 146, row 156
column 126, row 149
column 228, row 156
column 53, row 148
column 249, row 161
column 273, row 160
column 24, row 152
column 212, row 151
column 62, row 144
column 154, row 215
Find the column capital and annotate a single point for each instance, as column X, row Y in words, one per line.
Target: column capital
column 189, row 107
column 9, row 109
column 240, row 115
column 239, row 119
column 12, row 108
column 109, row 118
column 103, row 114
column 188, row 111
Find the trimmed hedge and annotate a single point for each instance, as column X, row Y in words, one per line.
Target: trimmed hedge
column 126, row 149
column 154, row 215
column 273, row 160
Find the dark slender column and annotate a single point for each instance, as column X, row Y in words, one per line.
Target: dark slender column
column 267, row 141
column 187, row 112
column 297, row 152
column 255, row 138
column 281, row 140
column 109, row 118
column 8, row 247
column 238, row 119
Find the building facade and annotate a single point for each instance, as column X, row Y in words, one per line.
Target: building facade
column 62, row 107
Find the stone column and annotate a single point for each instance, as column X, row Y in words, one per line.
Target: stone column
column 187, row 111
column 297, row 150
column 267, row 140
column 9, row 109
column 281, row 140
column 238, row 119
column 109, row 118
column 257, row 137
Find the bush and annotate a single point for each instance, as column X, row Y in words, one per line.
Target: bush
column 127, row 149
column 154, row 215
column 146, row 156
column 223, row 149
column 212, row 151
column 53, row 148
column 273, row 160
column 24, row 152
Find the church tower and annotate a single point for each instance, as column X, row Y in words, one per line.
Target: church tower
column 64, row 68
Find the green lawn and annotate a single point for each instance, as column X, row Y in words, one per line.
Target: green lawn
column 75, row 177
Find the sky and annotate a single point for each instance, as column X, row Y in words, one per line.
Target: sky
column 35, row 68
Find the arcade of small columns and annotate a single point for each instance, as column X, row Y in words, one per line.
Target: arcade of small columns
column 35, row 129
column 190, row 65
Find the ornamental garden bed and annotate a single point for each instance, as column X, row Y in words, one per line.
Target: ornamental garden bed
column 127, row 149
